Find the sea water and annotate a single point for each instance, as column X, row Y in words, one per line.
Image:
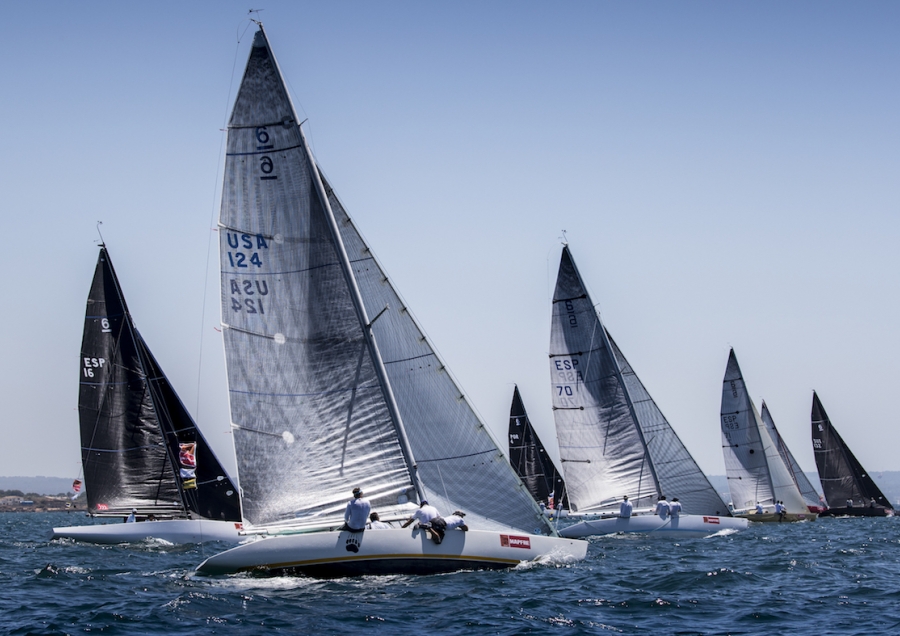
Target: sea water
column 833, row 576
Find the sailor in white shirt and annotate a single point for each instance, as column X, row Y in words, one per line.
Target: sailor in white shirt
column 132, row 517
column 423, row 515
column 675, row 508
column 625, row 508
column 456, row 521
column 759, row 508
column 375, row 523
column 357, row 512
column 662, row 507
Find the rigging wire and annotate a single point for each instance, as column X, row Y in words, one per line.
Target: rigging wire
column 222, row 137
column 212, row 212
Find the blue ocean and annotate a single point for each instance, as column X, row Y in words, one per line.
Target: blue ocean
column 833, row 576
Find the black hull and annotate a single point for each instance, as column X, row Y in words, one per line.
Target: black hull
column 856, row 512
column 381, row 567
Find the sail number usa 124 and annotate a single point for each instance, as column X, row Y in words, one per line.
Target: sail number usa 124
column 247, row 252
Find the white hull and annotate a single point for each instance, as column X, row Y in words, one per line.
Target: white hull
column 395, row 551
column 173, row 531
column 771, row 517
column 683, row 526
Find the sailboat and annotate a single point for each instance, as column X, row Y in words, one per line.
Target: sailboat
column 140, row 448
column 532, row 463
column 848, row 488
column 814, row 501
column 755, row 470
column 613, row 439
column 333, row 384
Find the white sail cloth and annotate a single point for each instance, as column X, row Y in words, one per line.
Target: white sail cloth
column 755, row 470
column 310, row 319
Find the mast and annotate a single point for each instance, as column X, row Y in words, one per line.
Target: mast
column 356, row 297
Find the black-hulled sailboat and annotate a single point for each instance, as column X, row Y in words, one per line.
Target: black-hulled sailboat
column 140, row 448
column 333, row 384
column 848, row 488
column 532, row 463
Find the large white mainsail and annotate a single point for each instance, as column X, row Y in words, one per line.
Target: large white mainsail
column 601, row 447
column 310, row 415
column 325, row 363
column 755, row 470
column 810, row 495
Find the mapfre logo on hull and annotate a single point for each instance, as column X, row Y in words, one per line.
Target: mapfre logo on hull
column 512, row 541
column 713, row 520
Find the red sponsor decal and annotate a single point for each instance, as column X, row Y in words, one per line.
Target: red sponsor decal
column 239, row 526
column 512, row 541
column 102, row 507
column 714, row 520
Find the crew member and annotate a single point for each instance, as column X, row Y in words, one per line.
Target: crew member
column 356, row 513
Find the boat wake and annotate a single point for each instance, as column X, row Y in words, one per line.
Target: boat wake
column 725, row 532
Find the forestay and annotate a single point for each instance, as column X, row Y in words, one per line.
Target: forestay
column 811, row 497
column 678, row 472
column 309, row 413
column 601, row 448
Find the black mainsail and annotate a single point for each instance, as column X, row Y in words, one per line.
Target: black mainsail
column 530, row 460
column 843, row 478
column 132, row 422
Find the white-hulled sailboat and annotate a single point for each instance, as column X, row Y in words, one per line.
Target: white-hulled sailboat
column 814, row 501
column 140, row 448
column 757, row 475
column 613, row 439
column 333, row 385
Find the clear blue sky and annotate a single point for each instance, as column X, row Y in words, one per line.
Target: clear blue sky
column 727, row 174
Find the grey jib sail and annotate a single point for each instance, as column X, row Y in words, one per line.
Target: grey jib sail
column 126, row 409
column 530, row 459
column 842, row 476
column 809, row 492
column 312, row 405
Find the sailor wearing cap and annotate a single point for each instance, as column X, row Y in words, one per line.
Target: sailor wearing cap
column 132, row 517
column 357, row 513
column 423, row 515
